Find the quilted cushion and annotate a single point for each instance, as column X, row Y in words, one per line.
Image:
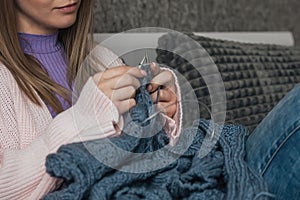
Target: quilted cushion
column 255, row 76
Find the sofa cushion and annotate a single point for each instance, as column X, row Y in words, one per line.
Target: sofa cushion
column 255, row 76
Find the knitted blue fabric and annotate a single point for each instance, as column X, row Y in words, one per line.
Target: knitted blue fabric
column 221, row 174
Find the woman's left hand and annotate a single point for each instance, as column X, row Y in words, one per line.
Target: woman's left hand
column 167, row 99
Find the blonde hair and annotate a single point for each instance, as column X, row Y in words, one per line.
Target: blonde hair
column 27, row 71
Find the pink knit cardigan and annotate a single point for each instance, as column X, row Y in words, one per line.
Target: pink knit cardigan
column 28, row 133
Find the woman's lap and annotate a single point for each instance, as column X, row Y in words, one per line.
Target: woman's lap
column 273, row 148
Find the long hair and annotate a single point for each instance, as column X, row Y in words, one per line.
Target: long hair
column 27, row 71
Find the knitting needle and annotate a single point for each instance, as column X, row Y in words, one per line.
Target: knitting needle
column 156, row 113
column 151, row 116
column 145, row 60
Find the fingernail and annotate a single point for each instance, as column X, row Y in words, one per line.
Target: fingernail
column 144, row 72
column 154, row 64
column 149, row 87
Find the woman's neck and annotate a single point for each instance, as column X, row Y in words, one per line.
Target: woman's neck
column 24, row 26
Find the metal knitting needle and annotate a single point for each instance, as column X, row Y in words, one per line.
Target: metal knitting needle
column 145, row 60
column 156, row 113
column 151, row 116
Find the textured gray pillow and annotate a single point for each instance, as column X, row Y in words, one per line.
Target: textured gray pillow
column 255, row 76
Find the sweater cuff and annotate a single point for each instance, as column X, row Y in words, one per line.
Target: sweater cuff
column 94, row 114
column 170, row 129
column 173, row 125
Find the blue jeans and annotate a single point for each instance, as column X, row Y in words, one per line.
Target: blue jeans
column 273, row 148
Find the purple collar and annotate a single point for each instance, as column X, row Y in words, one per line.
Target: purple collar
column 39, row 44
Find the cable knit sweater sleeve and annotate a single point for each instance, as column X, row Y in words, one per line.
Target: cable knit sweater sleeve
column 28, row 134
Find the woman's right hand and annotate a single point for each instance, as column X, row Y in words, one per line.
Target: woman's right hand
column 119, row 84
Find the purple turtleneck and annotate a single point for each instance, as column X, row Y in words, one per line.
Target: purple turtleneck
column 50, row 53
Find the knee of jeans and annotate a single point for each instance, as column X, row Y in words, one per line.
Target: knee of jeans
column 261, row 152
column 271, row 133
column 282, row 173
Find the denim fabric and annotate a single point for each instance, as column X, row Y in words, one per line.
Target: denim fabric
column 273, row 148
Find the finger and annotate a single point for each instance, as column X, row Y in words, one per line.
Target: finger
column 125, row 105
column 167, row 108
column 165, row 78
column 155, row 69
column 165, row 95
column 123, row 81
column 118, row 71
column 122, row 94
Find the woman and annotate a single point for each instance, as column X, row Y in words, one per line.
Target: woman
column 42, row 47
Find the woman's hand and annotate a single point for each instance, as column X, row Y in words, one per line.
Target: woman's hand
column 119, row 84
column 167, row 99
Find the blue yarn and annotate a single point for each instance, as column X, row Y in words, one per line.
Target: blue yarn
column 221, row 174
column 145, row 107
